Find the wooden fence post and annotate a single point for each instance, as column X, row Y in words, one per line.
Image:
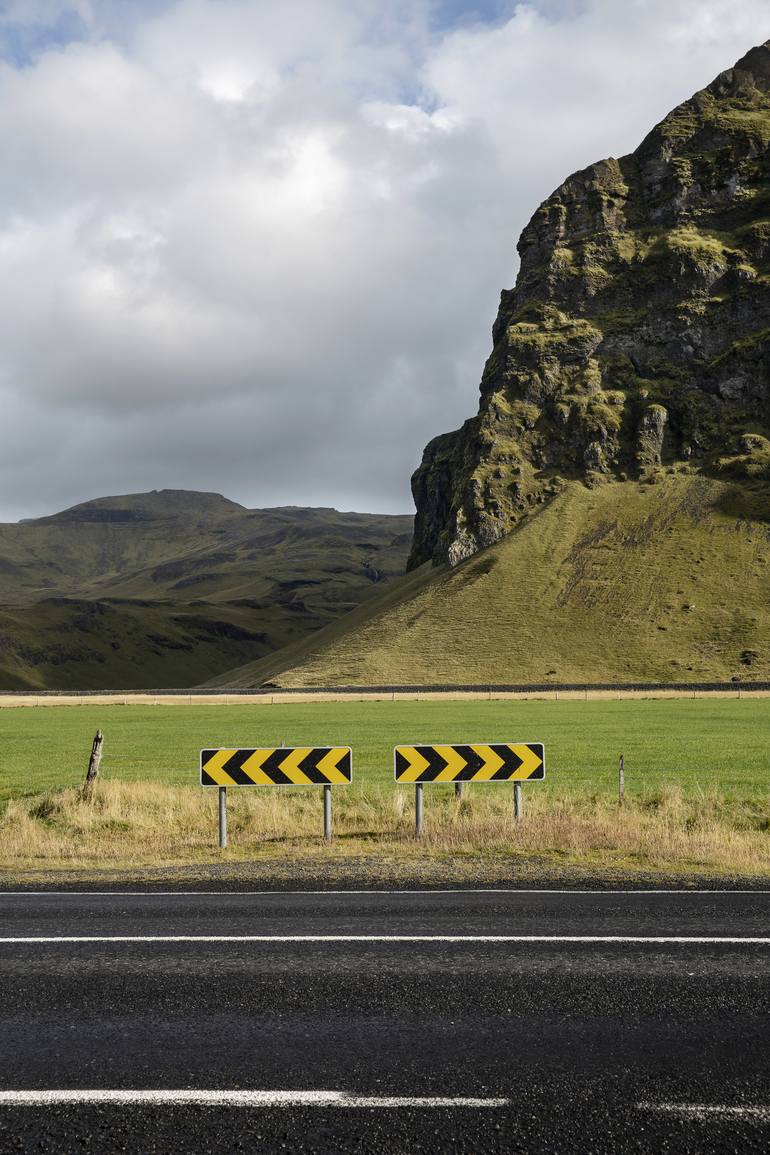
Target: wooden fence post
column 93, row 766
column 621, row 780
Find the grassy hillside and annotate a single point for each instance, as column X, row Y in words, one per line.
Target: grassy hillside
column 169, row 588
column 665, row 581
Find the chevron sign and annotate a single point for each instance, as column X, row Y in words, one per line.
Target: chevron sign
column 475, row 762
column 277, row 766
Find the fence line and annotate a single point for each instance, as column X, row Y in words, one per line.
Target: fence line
column 276, row 695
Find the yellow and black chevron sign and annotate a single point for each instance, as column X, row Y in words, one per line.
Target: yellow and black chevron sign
column 476, row 762
column 277, row 766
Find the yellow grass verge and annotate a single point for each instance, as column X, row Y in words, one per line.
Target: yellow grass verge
column 142, row 824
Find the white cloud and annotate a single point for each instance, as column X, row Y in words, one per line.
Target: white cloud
column 258, row 247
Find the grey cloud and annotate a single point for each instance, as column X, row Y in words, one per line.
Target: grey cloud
column 258, row 248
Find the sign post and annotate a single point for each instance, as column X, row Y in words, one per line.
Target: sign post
column 327, row 813
column 325, row 766
column 222, row 817
column 418, row 805
column 517, row 801
column 471, row 762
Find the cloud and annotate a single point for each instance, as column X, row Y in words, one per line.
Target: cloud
column 258, row 248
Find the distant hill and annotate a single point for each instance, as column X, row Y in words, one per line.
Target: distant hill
column 169, row 588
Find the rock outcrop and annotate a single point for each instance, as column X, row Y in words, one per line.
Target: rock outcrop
column 637, row 337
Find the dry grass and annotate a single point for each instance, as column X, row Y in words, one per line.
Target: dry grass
column 137, row 824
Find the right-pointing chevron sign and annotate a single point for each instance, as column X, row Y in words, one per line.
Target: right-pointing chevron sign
column 475, row 762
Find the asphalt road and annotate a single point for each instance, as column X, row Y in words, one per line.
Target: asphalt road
column 574, row 1022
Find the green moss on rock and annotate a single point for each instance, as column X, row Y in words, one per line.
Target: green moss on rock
column 636, row 337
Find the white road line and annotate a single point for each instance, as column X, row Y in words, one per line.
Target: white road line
column 235, row 1099
column 685, row 940
column 708, row 1111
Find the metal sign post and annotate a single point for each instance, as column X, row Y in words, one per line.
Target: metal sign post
column 327, row 813
column 470, row 762
column 418, row 805
column 222, row 817
column 277, row 766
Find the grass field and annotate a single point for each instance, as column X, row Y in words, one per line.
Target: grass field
column 696, row 783
column 694, row 744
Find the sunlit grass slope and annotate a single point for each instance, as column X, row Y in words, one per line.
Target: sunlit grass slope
column 666, row 582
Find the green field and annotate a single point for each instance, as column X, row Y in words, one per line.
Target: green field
column 694, row 744
column 696, row 800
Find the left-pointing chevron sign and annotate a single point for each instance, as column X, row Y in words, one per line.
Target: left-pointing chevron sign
column 475, row 762
column 277, row 766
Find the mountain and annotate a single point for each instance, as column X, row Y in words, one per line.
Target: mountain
column 604, row 516
column 638, row 334
column 169, row 588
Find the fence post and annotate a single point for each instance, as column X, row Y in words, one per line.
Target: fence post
column 93, row 766
column 517, row 801
column 327, row 813
column 222, row 817
column 621, row 780
column 418, row 810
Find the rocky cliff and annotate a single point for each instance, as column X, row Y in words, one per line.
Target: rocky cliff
column 637, row 338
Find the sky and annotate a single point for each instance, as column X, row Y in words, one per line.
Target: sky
column 256, row 246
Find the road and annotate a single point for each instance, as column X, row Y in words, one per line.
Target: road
column 473, row 1021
